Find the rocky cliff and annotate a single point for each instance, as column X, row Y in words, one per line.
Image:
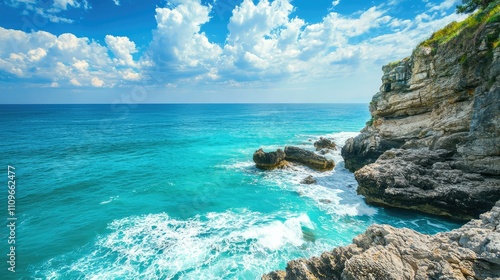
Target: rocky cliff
column 384, row 252
column 432, row 144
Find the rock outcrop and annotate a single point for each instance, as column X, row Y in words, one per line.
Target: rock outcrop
column 281, row 159
column 385, row 252
column 324, row 143
column 308, row 158
column 433, row 141
column 424, row 180
column 270, row 160
column 309, row 180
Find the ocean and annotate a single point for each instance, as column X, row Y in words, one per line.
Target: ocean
column 171, row 192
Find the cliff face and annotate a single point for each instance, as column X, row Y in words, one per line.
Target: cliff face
column 384, row 252
column 433, row 141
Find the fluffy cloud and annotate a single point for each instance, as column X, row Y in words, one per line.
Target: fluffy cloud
column 265, row 42
column 122, row 48
column 65, row 60
column 96, row 82
column 178, row 45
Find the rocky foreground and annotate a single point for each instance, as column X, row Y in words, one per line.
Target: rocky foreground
column 384, row 252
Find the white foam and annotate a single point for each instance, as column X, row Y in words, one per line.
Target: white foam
column 239, row 165
column 212, row 246
column 332, row 186
column 111, row 199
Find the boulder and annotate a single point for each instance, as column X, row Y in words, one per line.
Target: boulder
column 324, row 143
column 308, row 180
column 308, row 158
column 270, row 160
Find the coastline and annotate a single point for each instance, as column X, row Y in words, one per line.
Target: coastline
column 431, row 146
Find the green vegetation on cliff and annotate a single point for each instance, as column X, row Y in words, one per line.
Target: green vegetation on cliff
column 477, row 21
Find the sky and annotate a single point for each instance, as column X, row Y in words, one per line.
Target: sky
column 207, row 51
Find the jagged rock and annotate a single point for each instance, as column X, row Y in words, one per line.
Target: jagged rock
column 324, row 143
column 423, row 180
column 269, row 161
column 385, row 252
column 365, row 149
column 308, row 158
column 443, row 97
column 308, row 180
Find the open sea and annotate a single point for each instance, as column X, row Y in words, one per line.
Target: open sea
column 171, row 191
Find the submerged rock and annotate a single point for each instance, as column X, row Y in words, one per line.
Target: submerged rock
column 385, row 252
column 324, row 143
column 308, row 180
column 270, row 160
column 308, row 158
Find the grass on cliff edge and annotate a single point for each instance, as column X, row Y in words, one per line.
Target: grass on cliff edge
column 489, row 15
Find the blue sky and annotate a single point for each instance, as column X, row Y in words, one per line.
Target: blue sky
column 131, row 51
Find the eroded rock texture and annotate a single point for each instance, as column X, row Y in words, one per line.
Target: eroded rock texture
column 385, row 252
column 432, row 143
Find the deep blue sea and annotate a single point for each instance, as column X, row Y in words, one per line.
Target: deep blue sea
column 171, row 192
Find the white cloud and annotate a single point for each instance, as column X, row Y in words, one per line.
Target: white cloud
column 63, row 4
column 75, row 82
column 96, row 82
column 443, row 6
column 122, row 48
column 335, row 2
column 81, row 65
column 266, row 45
column 36, row 54
column 117, row 2
column 131, row 76
column 49, row 9
column 177, row 41
column 65, row 59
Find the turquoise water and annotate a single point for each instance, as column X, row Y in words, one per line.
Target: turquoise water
column 171, row 192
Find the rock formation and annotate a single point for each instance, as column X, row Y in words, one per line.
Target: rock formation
column 324, row 143
column 269, row 161
column 431, row 145
column 308, row 180
column 385, row 252
column 433, row 141
column 308, row 158
column 280, row 159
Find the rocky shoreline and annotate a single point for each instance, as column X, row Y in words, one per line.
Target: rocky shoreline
column 433, row 146
column 385, row 252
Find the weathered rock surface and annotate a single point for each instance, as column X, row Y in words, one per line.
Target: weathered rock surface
column 270, row 160
column 324, row 143
column 385, row 252
column 308, row 158
column 282, row 159
column 422, row 179
column 440, row 104
column 308, row 180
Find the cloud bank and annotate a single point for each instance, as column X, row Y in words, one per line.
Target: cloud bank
column 266, row 43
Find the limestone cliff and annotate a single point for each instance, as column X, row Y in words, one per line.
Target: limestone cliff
column 384, row 252
column 432, row 143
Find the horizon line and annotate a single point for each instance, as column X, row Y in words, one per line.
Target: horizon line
column 191, row 103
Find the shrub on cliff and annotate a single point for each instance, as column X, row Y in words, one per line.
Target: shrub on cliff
column 469, row 6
